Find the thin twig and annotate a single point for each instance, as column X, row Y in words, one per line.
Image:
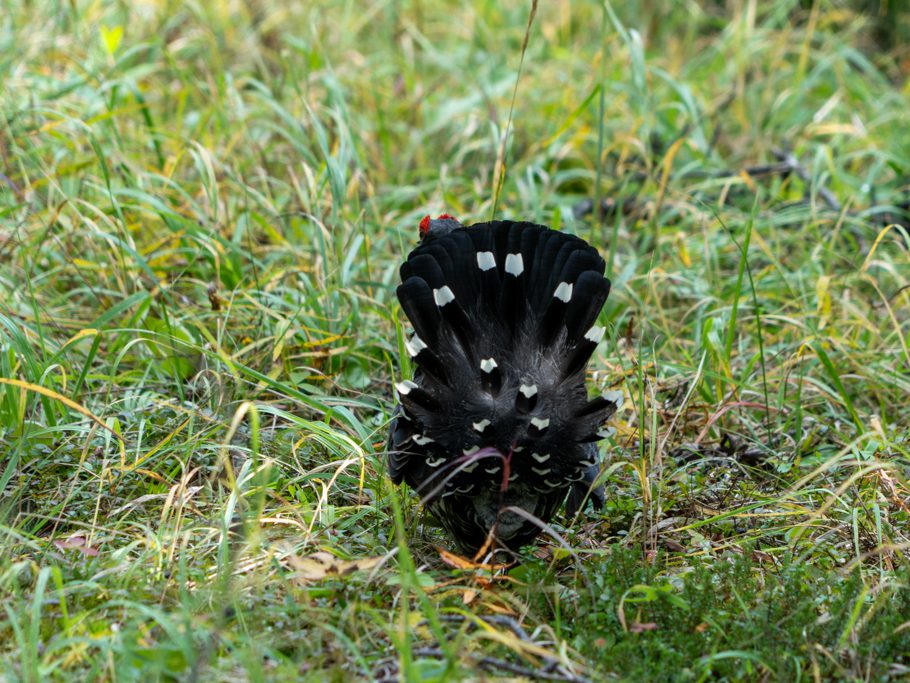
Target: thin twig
column 499, row 174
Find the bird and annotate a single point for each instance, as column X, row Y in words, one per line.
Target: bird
column 495, row 429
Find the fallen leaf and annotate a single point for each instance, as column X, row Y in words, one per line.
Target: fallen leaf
column 460, row 562
column 673, row 546
column 761, row 557
column 638, row 627
column 324, row 565
column 77, row 542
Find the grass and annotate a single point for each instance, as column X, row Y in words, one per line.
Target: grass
column 202, row 211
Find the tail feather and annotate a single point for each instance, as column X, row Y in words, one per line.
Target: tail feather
column 595, row 406
column 588, row 296
column 575, row 291
column 504, row 318
column 417, row 399
column 513, row 300
column 460, row 324
column 553, row 321
column 576, row 361
column 426, row 266
column 416, row 299
column 427, row 359
column 490, row 376
column 594, row 415
column 545, row 260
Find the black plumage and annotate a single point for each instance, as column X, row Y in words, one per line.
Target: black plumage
column 497, row 415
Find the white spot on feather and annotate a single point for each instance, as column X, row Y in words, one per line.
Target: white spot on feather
column 422, row 440
column 471, row 467
column 528, row 390
column 540, row 422
column 563, row 292
column 443, row 296
column 435, row 463
column 513, row 476
column 488, row 365
column 471, row 451
column 480, row 426
column 404, row 388
column 415, row 346
column 595, row 334
column 486, row 260
column 540, row 471
column 515, row 265
column 540, row 457
column 492, row 470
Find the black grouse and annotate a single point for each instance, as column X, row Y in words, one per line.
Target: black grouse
column 496, row 428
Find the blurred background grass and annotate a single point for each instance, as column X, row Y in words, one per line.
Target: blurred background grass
column 202, row 211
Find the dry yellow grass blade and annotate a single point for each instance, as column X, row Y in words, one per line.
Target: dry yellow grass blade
column 69, row 403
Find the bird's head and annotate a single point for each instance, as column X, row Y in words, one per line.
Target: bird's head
column 431, row 228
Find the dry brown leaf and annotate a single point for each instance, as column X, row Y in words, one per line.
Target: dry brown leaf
column 638, row 627
column 460, row 562
column 77, row 542
column 323, row 565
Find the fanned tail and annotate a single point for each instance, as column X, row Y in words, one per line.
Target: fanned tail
column 504, row 325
